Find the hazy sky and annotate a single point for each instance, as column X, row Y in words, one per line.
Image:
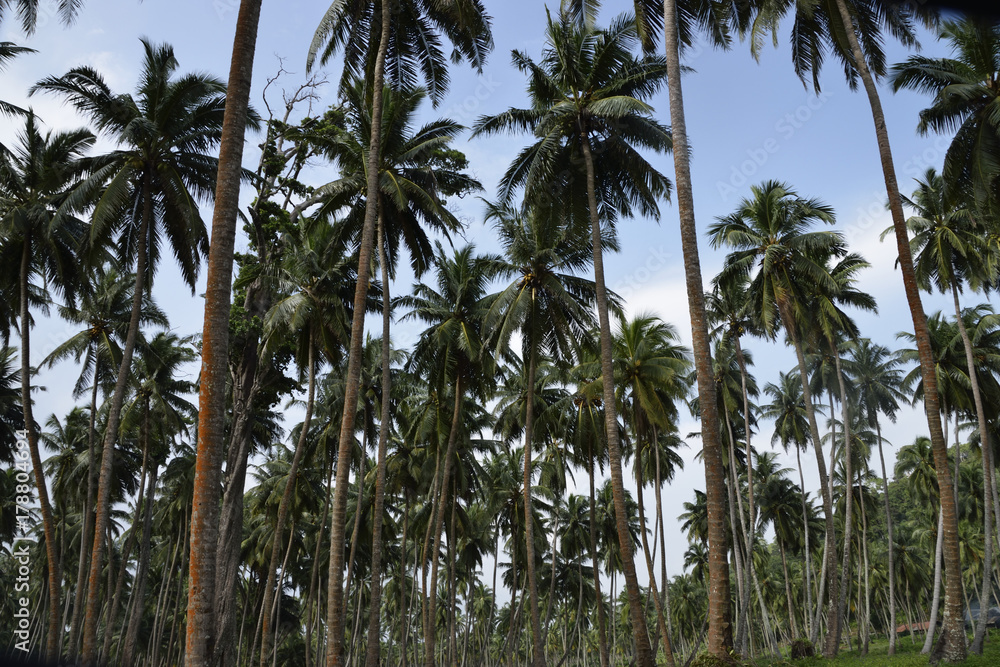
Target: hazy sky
column 748, row 122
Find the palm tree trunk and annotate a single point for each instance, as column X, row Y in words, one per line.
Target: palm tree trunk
column 431, row 627
column 602, row 633
column 738, row 560
column 953, row 647
column 788, row 589
column 807, row 564
column 375, row 610
column 215, row 346
column 102, row 520
column 720, row 632
column 538, row 645
column 665, row 593
column 747, row 534
column 644, row 656
column 830, row 555
column 653, row 593
column 849, row 477
column 285, row 505
column 866, row 628
column 141, row 575
column 935, row 601
column 48, row 522
column 335, row 612
column 892, row 544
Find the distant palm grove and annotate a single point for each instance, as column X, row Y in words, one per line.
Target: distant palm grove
column 493, row 494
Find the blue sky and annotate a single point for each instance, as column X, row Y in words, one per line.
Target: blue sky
column 748, row 122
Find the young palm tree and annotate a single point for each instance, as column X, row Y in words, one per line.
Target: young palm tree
column 552, row 310
column 878, row 381
column 965, row 88
column 588, row 96
column 41, row 235
column 772, row 243
column 415, row 36
column 150, row 185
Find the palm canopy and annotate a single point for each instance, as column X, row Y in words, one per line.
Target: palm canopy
column 771, row 242
column 588, row 87
column 966, row 93
column 787, row 409
column 418, row 170
column 165, row 134
column 416, row 48
column 876, row 376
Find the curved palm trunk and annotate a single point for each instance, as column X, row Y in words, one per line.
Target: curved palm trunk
column 283, row 508
column 602, row 632
column 538, row 645
column 643, row 653
column 431, row 621
column 892, row 544
column 53, row 633
column 830, row 550
column 102, row 520
column 215, row 347
column 375, row 610
column 720, row 631
column 953, row 635
column 335, row 596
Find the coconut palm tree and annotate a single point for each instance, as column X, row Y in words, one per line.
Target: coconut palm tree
column 876, row 376
column 41, row 235
column 588, row 96
column 965, row 88
column 552, row 310
column 771, row 241
column 367, row 57
column 149, row 188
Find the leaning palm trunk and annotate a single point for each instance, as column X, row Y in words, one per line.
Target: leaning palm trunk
column 335, row 596
column 953, row 634
column 102, row 520
column 375, row 603
column 936, row 599
column 48, row 523
column 643, row 654
column 720, row 631
column 199, row 647
column 830, row 549
column 284, row 507
column 538, row 645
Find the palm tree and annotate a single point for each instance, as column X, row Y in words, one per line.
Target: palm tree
column 878, row 381
column 451, row 350
column 41, row 235
column 842, row 26
column 9, row 51
column 27, row 12
column 588, row 96
column 367, row 57
column 772, row 243
column 551, row 309
column 964, row 87
column 153, row 181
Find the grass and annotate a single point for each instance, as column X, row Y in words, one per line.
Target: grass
column 907, row 655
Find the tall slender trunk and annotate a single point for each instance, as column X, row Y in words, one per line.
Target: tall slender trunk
column 748, row 534
column 375, row 603
column 640, row 633
column 284, row 506
column 953, row 647
column 807, row 564
column 538, row 645
column 866, row 628
column 665, row 593
column 438, row 520
column 936, row 599
column 215, row 346
column 720, row 632
column 830, row 550
column 739, row 562
column 892, row 544
column 141, row 575
column 661, row 621
column 845, row 428
column 335, row 612
column 102, row 520
column 48, row 522
column 788, row 590
column 602, row 632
